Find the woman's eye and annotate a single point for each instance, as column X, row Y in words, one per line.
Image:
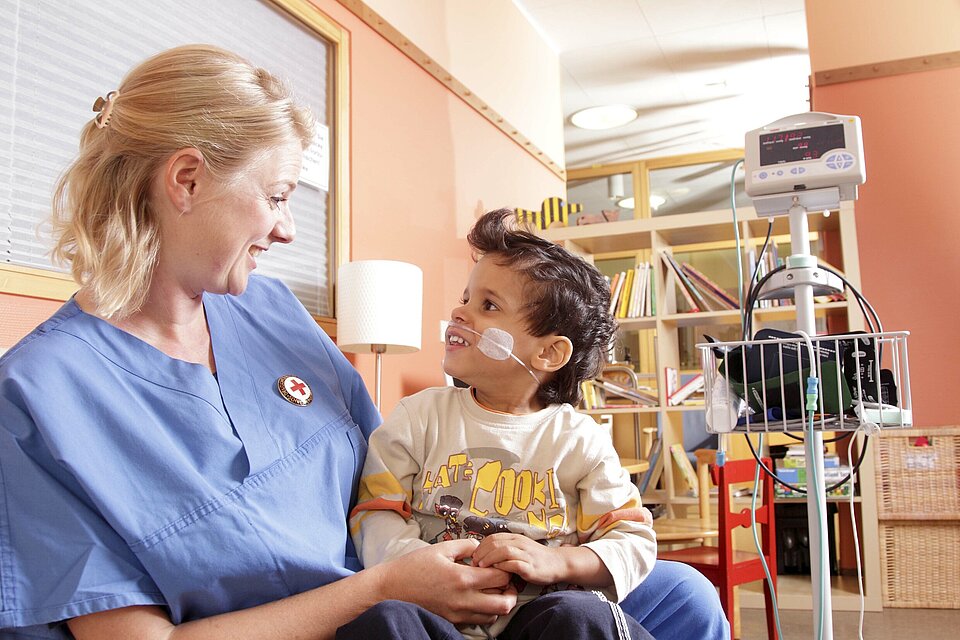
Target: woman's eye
column 275, row 201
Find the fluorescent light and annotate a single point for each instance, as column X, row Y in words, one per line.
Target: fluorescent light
column 655, row 202
column 604, row 117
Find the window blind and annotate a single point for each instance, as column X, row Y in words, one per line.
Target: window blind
column 57, row 57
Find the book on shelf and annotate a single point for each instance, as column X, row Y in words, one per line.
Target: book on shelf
column 694, row 300
column 588, row 391
column 638, row 291
column 625, row 294
column 636, row 396
column 686, row 390
column 615, row 285
column 671, row 380
column 687, row 472
column 655, row 459
column 710, row 286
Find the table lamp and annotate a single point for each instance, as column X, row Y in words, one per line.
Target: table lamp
column 379, row 308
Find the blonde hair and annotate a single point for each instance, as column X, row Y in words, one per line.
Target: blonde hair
column 196, row 96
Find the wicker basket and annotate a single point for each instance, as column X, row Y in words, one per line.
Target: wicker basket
column 918, row 482
column 919, row 564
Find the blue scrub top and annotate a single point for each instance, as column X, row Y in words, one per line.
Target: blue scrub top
column 128, row 477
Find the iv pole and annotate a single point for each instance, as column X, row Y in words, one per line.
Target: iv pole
column 816, row 500
column 805, row 280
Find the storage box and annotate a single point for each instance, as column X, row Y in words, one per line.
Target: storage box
column 918, row 474
column 919, row 564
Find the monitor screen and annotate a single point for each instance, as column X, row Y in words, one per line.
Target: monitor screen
column 800, row 144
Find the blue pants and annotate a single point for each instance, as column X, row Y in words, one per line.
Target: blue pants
column 675, row 602
column 562, row 615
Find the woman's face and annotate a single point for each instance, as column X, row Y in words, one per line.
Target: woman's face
column 237, row 222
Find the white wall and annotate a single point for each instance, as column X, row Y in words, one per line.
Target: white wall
column 477, row 41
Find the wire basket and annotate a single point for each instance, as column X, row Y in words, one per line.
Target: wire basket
column 758, row 386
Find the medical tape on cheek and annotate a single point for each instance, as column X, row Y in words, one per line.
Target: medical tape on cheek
column 497, row 344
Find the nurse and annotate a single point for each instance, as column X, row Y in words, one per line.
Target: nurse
column 180, row 443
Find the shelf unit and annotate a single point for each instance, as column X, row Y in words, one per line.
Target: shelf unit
column 643, row 238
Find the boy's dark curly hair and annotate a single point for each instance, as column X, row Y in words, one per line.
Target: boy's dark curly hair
column 566, row 296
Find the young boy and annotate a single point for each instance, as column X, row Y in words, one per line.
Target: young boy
column 508, row 461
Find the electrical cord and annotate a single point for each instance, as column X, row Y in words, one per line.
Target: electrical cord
column 856, row 542
column 756, row 542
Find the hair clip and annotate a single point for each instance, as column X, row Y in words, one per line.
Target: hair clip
column 105, row 107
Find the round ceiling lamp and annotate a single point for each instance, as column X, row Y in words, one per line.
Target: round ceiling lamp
column 604, row 117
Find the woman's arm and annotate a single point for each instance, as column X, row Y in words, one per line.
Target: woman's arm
column 460, row 593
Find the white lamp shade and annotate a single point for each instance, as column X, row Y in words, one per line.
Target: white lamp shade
column 379, row 302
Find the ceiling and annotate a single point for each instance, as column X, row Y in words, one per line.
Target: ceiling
column 699, row 72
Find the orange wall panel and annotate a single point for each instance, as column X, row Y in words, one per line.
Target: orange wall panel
column 19, row 314
column 908, row 225
column 425, row 165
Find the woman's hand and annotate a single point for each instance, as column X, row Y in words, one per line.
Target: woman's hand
column 435, row 578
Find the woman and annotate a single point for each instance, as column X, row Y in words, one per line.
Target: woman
column 180, row 442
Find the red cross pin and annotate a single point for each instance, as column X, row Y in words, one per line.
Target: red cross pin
column 294, row 390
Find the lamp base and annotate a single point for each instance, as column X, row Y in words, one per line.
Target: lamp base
column 378, row 349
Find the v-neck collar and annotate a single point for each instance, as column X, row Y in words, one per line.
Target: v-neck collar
column 232, row 390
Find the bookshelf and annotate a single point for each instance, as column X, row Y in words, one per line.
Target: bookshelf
column 705, row 238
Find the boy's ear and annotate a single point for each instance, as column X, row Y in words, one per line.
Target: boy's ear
column 555, row 352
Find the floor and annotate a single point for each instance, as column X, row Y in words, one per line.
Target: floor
column 890, row 624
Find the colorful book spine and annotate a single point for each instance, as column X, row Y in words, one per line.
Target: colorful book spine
column 625, row 294
column 615, row 285
column 686, row 390
column 649, row 479
column 710, row 285
column 672, row 265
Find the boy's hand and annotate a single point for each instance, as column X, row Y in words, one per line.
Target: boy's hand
column 532, row 561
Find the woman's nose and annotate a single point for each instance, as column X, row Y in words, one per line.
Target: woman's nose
column 285, row 230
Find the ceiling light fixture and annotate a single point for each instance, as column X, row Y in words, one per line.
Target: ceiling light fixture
column 615, row 186
column 655, row 202
column 604, row 117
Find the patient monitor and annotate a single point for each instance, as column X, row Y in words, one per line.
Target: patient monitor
column 814, row 159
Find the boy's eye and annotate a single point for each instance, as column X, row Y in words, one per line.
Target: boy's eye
column 489, row 306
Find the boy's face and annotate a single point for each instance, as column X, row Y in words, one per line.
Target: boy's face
column 494, row 298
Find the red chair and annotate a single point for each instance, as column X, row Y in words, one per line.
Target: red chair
column 724, row 566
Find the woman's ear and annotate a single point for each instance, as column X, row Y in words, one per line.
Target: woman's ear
column 555, row 352
column 180, row 174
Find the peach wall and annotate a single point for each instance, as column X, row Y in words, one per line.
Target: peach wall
column 856, row 32
column 476, row 42
column 424, row 165
column 907, row 221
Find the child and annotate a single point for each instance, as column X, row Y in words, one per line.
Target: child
column 508, row 461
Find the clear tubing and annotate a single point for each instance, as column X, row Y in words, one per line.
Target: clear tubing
column 496, row 344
